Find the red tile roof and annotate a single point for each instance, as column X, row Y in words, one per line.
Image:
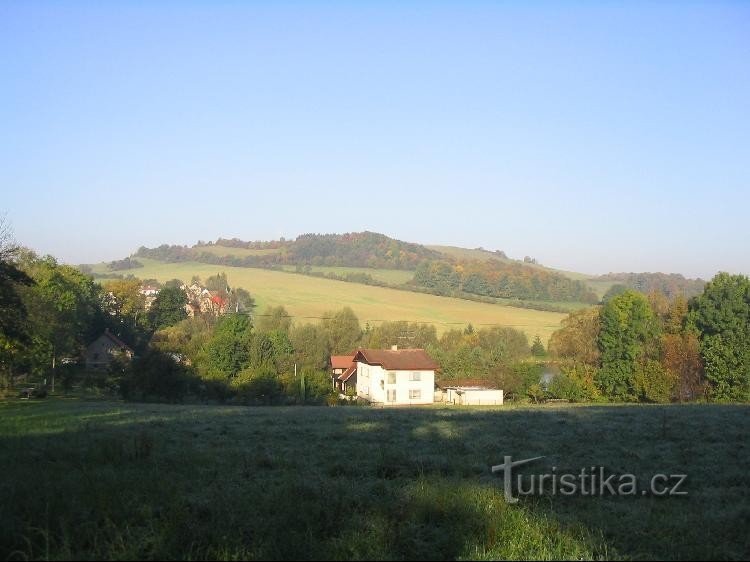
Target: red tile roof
column 341, row 361
column 348, row 373
column 398, row 359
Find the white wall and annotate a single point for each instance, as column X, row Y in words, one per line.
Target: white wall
column 475, row 397
column 373, row 385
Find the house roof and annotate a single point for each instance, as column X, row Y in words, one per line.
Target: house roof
column 341, row 361
column 348, row 373
column 117, row 341
column 398, row 359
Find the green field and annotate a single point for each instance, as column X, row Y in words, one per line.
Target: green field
column 90, row 480
column 391, row 276
column 309, row 298
column 223, row 251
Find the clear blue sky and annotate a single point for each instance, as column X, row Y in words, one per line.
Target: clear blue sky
column 595, row 136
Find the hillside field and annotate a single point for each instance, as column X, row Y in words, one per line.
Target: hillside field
column 113, row 480
column 309, row 298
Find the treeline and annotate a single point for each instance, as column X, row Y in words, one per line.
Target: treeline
column 127, row 263
column 650, row 349
column 254, row 361
column 668, row 284
column 496, row 279
column 360, row 249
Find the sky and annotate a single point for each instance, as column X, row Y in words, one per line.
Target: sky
column 592, row 136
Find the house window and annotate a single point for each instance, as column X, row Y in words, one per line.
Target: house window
column 415, row 376
column 391, row 377
column 415, row 394
column 392, row 395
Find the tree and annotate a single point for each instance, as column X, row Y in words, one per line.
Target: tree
column 275, row 318
column 628, row 325
column 722, row 317
column 342, row 330
column 228, row 351
column 13, row 315
column 680, row 356
column 168, row 308
column 614, row 291
column 652, row 382
column 310, row 345
column 577, row 341
column 122, row 299
column 537, row 348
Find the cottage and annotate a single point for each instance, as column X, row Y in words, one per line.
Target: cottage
column 395, row 376
column 344, row 373
column 105, row 348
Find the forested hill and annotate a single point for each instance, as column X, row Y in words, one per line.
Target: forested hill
column 669, row 284
column 439, row 269
column 357, row 249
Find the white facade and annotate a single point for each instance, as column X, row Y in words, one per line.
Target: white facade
column 468, row 396
column 394, row 387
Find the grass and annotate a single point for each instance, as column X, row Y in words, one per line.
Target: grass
column 309, row 298
column 224, row 251
column 92, row 479
column 392, row 276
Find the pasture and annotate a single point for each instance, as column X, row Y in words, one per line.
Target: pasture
column 95, row 479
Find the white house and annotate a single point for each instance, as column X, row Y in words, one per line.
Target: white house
column 395, row 376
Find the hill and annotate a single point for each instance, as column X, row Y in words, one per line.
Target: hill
column 309, row 298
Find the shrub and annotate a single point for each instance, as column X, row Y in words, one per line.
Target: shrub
column 156, row 376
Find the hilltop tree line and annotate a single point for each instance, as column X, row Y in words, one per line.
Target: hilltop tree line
column 670, row 285
column 652, row 349
column 493, row 278
column 435, row 272
column 361, row 249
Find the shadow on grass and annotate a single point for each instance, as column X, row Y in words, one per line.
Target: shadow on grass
column 155, row 481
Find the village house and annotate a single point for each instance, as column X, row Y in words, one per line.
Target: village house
column 395, row 376
column 344, row 373
column 103, row 350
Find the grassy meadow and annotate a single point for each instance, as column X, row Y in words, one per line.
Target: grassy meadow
column 308, row 298
column 95, row 479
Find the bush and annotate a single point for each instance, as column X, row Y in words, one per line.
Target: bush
column 653, row 383
column 157, row 376
column 257, row 385
column 575, row 383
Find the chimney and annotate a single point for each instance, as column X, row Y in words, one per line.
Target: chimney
column 394, row 348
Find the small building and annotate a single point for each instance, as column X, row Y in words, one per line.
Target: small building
column 470, row 393
column 343, row 373
column 105, row 348
column 395, row 376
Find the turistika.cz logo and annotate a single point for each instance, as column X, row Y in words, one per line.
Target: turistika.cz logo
column 589, row 481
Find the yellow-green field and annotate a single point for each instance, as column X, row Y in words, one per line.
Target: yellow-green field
column 223, row 251
column 392, row 276
column 308, row 298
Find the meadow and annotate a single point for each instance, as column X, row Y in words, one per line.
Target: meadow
column 310, row 298
column 97, row 479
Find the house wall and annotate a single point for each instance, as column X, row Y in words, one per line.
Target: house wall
column 475, row 397
column 101, row 351
column 373, row 385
